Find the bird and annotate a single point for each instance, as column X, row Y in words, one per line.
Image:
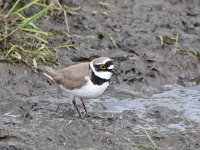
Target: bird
column 84, row 80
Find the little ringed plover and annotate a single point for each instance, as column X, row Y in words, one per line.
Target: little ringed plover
column 84, row 80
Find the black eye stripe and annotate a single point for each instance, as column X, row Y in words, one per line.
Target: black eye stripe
column 97, row 67
column 109, row 63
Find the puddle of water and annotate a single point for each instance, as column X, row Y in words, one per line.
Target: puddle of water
column 182, row 99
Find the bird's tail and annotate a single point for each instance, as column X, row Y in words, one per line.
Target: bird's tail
column 39, row 71
column 48, row 72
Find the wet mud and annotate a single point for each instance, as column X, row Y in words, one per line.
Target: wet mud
column 151, row 104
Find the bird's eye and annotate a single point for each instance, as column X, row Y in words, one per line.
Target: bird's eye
column 103, row 67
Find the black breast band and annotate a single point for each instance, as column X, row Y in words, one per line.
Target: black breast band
column 97, row 80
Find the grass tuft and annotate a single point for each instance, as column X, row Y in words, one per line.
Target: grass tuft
column 21, row 41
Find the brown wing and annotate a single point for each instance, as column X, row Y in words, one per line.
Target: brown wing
column 71, row 77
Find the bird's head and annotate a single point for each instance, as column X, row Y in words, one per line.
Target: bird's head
column 102, row 67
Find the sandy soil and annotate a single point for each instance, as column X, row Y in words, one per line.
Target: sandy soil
column 35, row 116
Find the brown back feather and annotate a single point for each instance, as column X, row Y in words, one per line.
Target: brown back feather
column 70, row 77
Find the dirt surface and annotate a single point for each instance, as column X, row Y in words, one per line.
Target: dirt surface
column 35, row 116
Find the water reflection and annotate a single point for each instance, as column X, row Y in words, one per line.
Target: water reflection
column 185, row 100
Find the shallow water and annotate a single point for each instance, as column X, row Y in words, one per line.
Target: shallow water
column 184, row 100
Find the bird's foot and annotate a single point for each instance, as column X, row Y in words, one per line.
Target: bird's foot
column 84, row 116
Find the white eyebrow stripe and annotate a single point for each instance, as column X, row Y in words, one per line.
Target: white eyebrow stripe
column 103, row 62
column 111, row 67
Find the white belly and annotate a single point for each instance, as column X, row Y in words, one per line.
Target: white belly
column 90, row 90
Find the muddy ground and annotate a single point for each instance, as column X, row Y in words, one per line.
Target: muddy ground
column 35, row 116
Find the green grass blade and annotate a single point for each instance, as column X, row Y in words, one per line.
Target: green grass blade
column 34, row 63
column 23, row 18
column 113, row 41
column 26, row 6
column 149, row 137
column 35, row 17
column 13, row 8
column 34, row 31
column 10, row 50
column 177, row 38
column 29, row 21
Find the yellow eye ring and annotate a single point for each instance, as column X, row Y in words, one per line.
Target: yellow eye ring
column 103, row 67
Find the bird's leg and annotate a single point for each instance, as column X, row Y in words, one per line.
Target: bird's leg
column 84, row 107
column 74, row 102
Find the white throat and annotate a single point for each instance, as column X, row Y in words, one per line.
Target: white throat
column 102, row 74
